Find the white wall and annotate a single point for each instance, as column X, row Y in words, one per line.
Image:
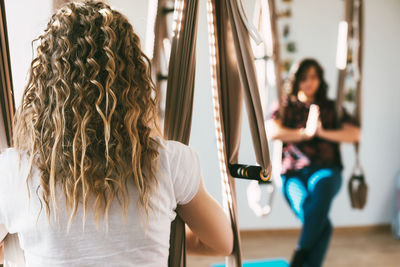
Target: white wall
column 381, row 118
column 26, row 20
column 315, row 34
column 136, row 12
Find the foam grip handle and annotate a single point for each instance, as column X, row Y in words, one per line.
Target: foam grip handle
column 249, row 172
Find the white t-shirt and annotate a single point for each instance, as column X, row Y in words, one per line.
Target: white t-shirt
column 132, row 244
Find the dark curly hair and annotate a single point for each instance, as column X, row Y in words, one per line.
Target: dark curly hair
column 88, row 116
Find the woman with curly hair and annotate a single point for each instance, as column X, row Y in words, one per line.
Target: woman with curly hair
column 89, row 179
column 311, row 161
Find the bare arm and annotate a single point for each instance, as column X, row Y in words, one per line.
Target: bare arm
column 1, row 252
column 209, row 231
column 348, row 133
column 3, row 234
column 276, row 131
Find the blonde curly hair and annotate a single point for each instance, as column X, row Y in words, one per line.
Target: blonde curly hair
column 88, row 117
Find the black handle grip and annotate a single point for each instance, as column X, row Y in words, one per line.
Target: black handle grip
column 167, row 10
column 161, row 77
column 249, row 172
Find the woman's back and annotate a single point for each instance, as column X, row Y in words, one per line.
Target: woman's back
column 137, row 242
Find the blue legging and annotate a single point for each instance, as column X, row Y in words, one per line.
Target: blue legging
column 309, row 193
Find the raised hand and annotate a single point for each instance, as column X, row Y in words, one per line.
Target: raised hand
column 312, row 122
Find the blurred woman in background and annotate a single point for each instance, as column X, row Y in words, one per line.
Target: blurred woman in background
column 311, row 160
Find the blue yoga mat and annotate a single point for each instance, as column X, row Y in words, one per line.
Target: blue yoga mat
column 260, row 263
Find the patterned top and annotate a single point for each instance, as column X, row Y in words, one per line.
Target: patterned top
column 316, row 151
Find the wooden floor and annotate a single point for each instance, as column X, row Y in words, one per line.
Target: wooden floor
column 350, row 247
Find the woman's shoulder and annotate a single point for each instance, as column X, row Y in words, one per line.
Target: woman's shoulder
column 174, row 149
column 184, row 168
column 9, row 157
column 170, row 145
column 7, row 152
column 178, row 154
column 292, row 102
column 12, row 160
column 13, row 168
column 328, row 105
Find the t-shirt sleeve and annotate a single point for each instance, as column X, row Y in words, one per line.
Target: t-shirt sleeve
column 274, row 112
column 4, row 173
column 186, row 173
column 8, row 185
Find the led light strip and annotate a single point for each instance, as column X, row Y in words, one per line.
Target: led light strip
column 178, row 14
column 226, row 189
column 356, row 40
